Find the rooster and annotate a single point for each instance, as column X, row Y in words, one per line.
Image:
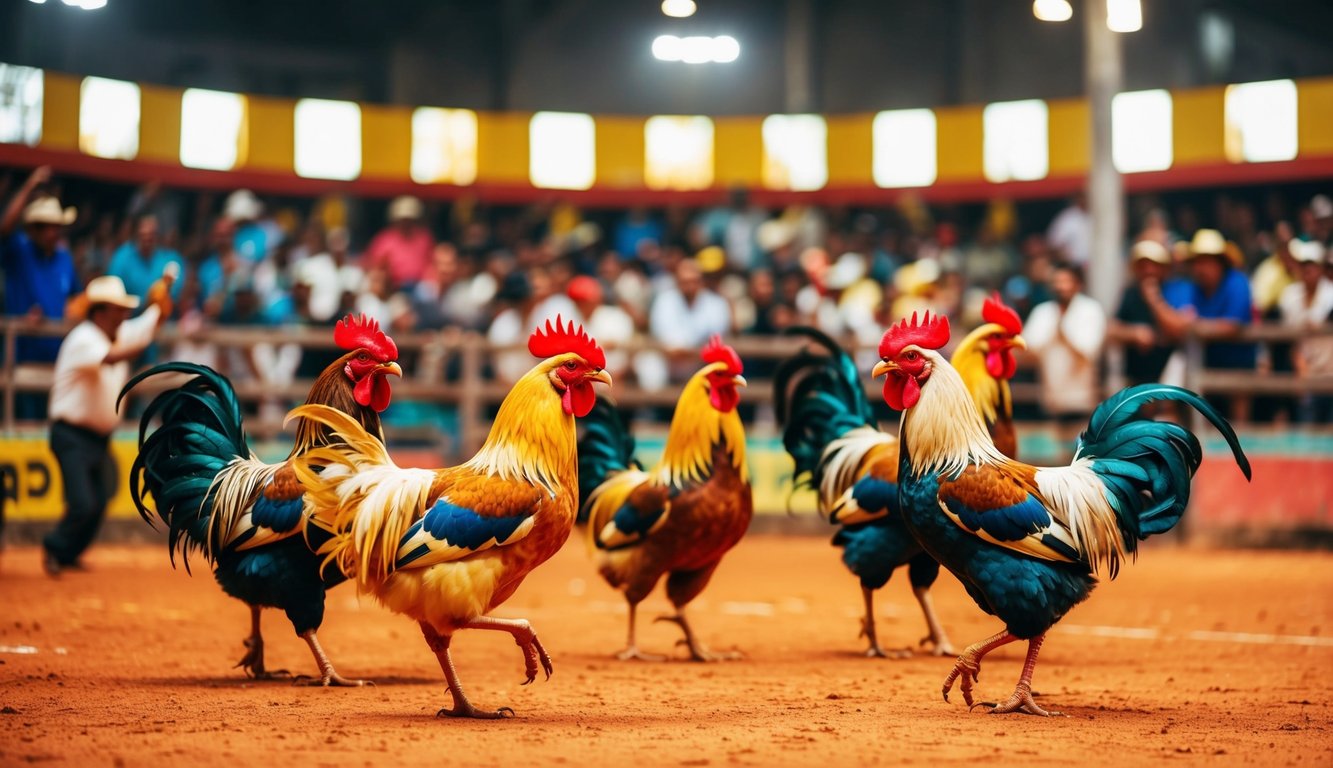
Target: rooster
column 679, row 519
column 1026, row 541
column 831, row 433
column 245, row 515
column 446, row 547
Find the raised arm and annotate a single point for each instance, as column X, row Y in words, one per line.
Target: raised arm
column 40, row 176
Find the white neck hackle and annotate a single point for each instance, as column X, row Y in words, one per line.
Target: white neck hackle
column 944, row 432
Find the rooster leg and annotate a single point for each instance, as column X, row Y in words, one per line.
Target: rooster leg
column 940, row 645
column 697, row 651
column 327, row 674
column 1021, row 700
column 253, row 660
column 968, row 667
column 631, row 644
column 533, row 652
column 869, row 633
column 462, row 707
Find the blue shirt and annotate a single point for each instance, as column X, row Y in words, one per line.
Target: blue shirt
column 31, row 278
column 139, row 274
column 252, row 242
column 1231, row 301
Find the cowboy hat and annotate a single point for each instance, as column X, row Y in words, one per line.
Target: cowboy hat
column 110, row 290
column 1210, row 242
column 47, row 210
column 1151, row 250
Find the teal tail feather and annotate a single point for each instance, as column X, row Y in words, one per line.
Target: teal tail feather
column 605, row 448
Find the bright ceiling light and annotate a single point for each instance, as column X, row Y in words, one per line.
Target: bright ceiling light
column 679, row 9
column 87, row 5
column 667, row 48
column 726, row 49
column 697, row 49
column 1124, row 15
column 1052, row 10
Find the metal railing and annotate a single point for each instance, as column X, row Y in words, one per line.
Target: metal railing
column 473, row 394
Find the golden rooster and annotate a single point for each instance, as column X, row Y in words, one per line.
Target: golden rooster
column 214, row 495
column 831, row 432
column 445, row 547
column 679, row 519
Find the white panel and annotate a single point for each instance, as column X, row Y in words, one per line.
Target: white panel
column 795, row 152
column 678, row 152
column 21, row 91
column 1015, row 145
column 562, row 150
column 1141, row 131
column 904, row 148
column 109, row 118
column 211, row 123
column 1261, row 122
column 444, row 146
column 328, row 139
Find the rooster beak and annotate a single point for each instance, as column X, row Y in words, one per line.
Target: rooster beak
column 1017, row 342
column 601, row 375
column 739, row 381
column 392, row 369
column 882, row 368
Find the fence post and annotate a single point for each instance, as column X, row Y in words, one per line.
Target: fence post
column 470, row 400
column 11, row 354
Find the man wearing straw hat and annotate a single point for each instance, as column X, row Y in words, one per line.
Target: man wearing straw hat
column 1218, row 300
column 91, row 368
column 39, row 272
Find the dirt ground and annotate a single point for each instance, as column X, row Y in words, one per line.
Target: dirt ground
column 1188, row 656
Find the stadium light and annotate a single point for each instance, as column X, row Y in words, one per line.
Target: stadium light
column 1124, row 15
column 697, row 49
column 679, row 9
column 1052, row 10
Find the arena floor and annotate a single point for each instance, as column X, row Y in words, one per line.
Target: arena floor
column 1187, row 656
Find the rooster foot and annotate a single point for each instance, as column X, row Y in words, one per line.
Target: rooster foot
column 330, row 680
column 966, row 671
column 253, row 662
column 533, row 652
column 633, row 653
column 697, row 651
column 467, row 710
column 937, row 646
column 1021, row 702
column 877, row 652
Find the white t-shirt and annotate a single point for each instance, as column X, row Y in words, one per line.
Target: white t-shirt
column 85, row 389
column 1296, row 312
column 1069, row 347
column 1071, row 234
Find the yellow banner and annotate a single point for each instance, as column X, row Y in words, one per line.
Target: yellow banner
column 32, row 486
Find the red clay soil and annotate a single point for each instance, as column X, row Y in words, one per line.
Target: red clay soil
column 1188, row 656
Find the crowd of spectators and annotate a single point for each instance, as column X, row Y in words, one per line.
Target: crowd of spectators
column 675, row 276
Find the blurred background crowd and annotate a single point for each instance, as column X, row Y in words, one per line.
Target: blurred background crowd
column 674, row 276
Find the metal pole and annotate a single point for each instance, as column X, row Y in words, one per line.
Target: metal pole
column 1103, row 71
column 10, row 353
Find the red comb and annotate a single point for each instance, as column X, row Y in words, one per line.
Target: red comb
column 361, row 332
column 994, row 310
column 717, row 352
column 562, row 339
column 931, row 333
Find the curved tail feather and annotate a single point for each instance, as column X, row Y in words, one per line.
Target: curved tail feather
column 1146, row 466
column 200, row 434
column 819, row 399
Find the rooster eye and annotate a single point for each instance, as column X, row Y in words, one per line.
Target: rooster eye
column 911, row 355
column 570, row 365
column 363, row 356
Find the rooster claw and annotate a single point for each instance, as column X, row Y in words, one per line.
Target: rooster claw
column 1020, row 702
column 503, row 713
column 966, row 672
column 331, row 680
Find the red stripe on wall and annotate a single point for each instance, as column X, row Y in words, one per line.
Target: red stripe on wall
column 289, row 184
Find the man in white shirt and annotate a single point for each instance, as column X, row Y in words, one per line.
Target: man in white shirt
column 682, row 318
column 91, row 368
column 1066, row 334
column 1070, row 233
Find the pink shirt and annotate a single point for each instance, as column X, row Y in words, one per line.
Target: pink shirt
column 406, row 256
